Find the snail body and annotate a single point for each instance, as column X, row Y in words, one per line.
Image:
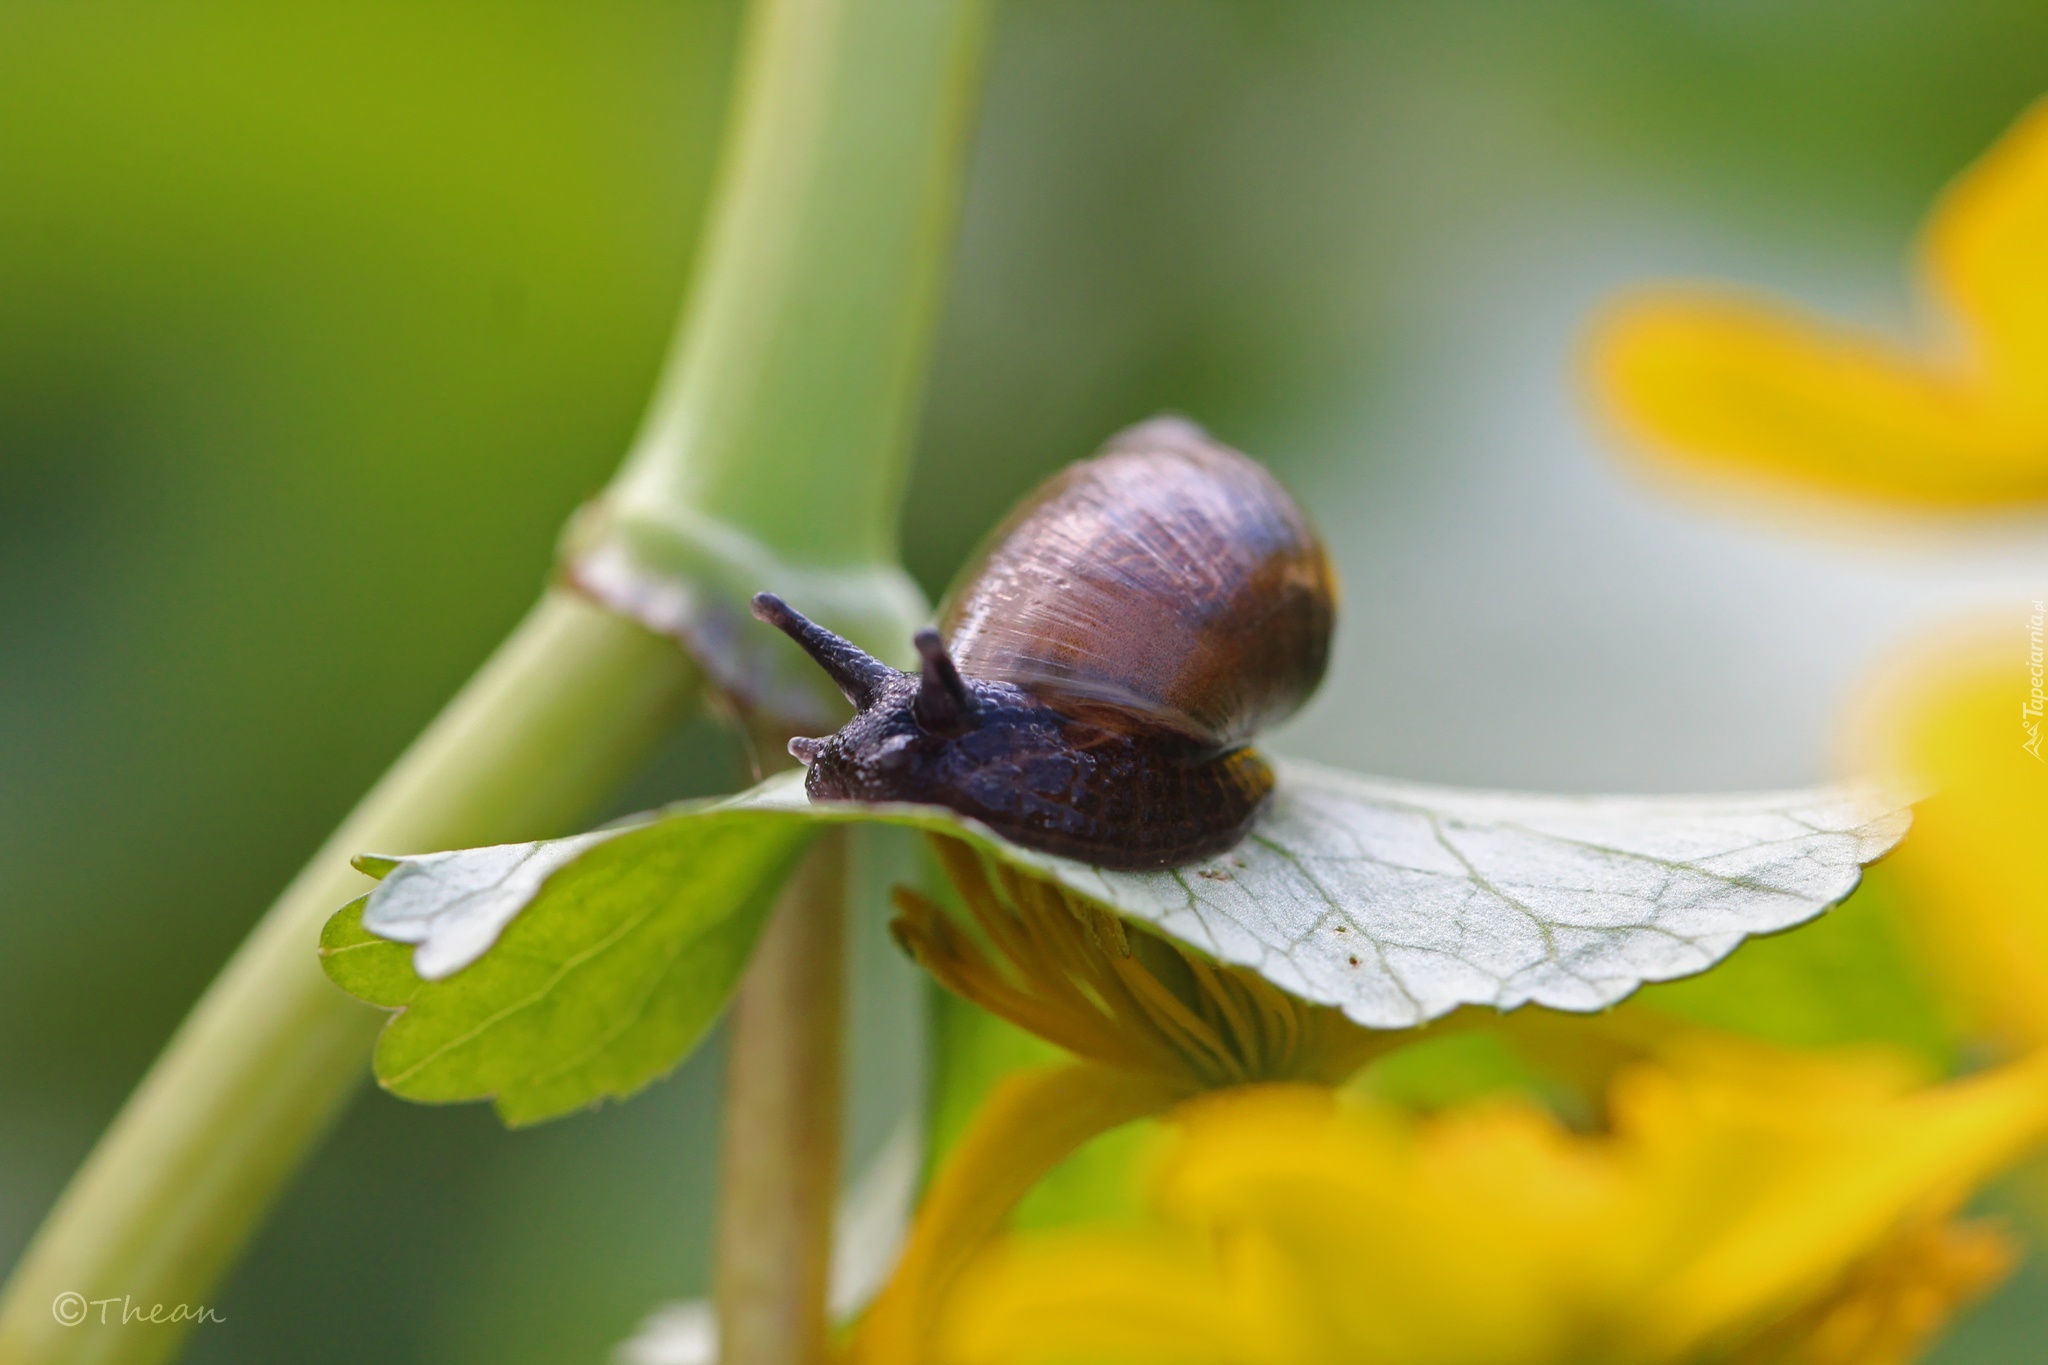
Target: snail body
column 1103, row 662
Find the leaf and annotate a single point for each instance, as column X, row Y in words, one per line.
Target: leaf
column 366, row 966
column 454, row 905
column 1394, row 901
column 1398, row 902
column 609, row 968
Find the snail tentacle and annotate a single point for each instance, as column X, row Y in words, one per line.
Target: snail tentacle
column 858, row 674
column 944, row 705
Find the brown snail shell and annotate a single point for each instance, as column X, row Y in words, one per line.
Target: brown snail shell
column 1106, row 655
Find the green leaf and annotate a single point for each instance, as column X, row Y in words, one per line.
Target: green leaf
column 1393, row 901
column 1399, row 902
column 454, row 905
column 611, row 970
column 366, row 966
column 374, row 864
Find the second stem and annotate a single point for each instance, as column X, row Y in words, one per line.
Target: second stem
column 781, row 1147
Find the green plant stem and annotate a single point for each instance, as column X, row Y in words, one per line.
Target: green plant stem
column 775, row 448
column 823, row 259
column 775, row 453
column 568, row 705
column 778, row 1172
column 820, row 278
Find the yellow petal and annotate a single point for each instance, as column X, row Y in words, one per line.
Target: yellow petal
column 1746, row 1197
column 1826, row 1186
column 1300, row 1231
column 1114, row 1297
column 1891, row 1306
column 1963, row 717
column 1029, row 1123
column 1987, row 259
column 1743, row 390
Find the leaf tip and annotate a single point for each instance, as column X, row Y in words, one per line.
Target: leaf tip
column 374, row 864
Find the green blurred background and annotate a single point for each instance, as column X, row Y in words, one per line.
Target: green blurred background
column 317, row 319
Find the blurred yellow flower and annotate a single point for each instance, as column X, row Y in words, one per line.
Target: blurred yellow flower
column 1962, row 718
column 1746, row 1204
column 1745, row 388
column 1154, row 1023
column 1748, row 388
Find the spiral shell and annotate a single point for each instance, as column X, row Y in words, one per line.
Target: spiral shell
column 1169, row 578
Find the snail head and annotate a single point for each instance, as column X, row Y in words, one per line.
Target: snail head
column 1057, row 778
column 934, row 700
column 913, row 735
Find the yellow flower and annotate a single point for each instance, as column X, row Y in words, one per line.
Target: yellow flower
column 1745, row 1204
column 1152, row 1022
column 1751, row 1204
column 1741, row 387
column 1960, row 719
column 1750, row 389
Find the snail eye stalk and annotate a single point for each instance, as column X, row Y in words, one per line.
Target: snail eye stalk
column 858, row 674
column 943, row 703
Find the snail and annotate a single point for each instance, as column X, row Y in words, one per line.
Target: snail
column 1102, row 664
